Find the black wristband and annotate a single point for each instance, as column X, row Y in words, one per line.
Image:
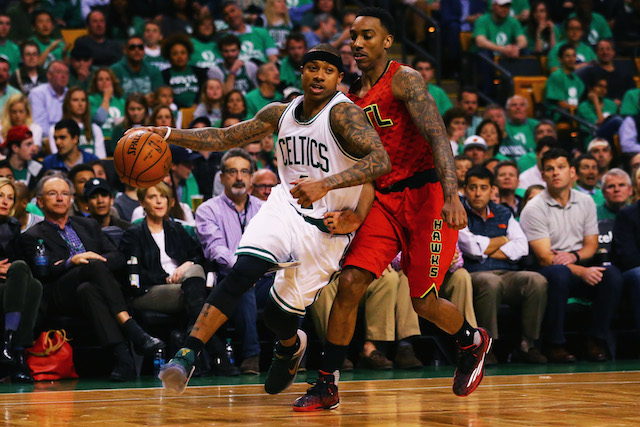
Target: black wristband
column 576, row 254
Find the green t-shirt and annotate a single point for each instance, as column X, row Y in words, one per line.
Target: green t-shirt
column 205, row 54
column 440, row 96
column 255, row 42
column 523, row 133
column 630, row 102
column 564, row 87
column 136, row 28
column 597, row 195
column 185, row 86
column 157, row 62
column 604, row 212
column 116, row 112
column 517, row 7
column 20, row 175
column 502, row 34
column 290, row 75
column 279, row 34
column 54, row 55
column 527, row 161
column 11, row 52
column 512, row 149
column 583, row 52
column 599, row 28
column 255, row 101
column 69, row 11
column 587, row 111
column 298, row 3
column 145, row 81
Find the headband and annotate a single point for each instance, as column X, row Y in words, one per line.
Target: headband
column 320, row 55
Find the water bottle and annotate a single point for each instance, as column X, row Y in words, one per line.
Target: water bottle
column 604, row 257
column 41, row 259
column 158, row 361
column 229, row 352
column 134, row 272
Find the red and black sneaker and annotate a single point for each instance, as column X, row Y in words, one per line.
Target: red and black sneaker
column 470, row 369
column 323, row 395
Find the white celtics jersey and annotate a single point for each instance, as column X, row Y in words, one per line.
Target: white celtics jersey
column 309, row 149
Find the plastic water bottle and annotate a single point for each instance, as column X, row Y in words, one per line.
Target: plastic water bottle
column 134, row 272
column 229, row 352
column 41, row 259
column 158, row 361
column 605, row 259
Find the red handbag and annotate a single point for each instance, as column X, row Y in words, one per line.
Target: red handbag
column 51, row 357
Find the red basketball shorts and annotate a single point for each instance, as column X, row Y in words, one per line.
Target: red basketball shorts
column 409, row 221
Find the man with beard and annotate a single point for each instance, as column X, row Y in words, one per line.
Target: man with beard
column 587, row 170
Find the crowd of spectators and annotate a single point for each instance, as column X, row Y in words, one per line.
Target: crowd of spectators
column 552, row 215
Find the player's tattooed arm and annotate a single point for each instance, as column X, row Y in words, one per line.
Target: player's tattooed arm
column 264, row 123
column 408, row 86
column 357, row 138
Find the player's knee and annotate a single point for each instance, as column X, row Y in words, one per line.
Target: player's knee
column 353, row 284
column 283, row 325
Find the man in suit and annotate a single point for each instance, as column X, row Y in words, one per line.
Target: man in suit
column 79, row 276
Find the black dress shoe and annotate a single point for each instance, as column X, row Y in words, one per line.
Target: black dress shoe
column 123, row 371
column 147, row 345
column 560, row 355
column 20, row 372
column 596, row 352
column 7, row 356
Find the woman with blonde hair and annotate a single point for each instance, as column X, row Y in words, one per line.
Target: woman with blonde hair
column 278, row 22
column 170, row 260
column 210, row 101
column 20, row 293
column 17, row 112
column 76, row 107
column 105, row 100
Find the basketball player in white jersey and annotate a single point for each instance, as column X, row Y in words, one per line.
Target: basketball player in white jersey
column 326, row 151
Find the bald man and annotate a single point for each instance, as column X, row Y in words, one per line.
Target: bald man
column 262, row 181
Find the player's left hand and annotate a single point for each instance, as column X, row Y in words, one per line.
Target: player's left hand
column 307, row 191
column 453, row 213
column 342, row 222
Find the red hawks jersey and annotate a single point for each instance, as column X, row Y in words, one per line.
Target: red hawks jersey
column 408, row 151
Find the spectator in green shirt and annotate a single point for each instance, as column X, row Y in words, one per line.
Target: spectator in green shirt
column 233, row 71
column 290, row 73
column 106, row 103
column 80, row 63
column 50, row 49
column 519, row 127
column 152, row 36
column 564, row 87
column 595, row 25
column 617, row 191
column 257, row 44
column 542, row 34
column 631, row 102
column 426, row 69
column 21, row 13
column 597, row 107
column 205, row 48
column 8, row 49
column 278, row 21
column 135, row 74
column 468, row 101
column 584, row 53
column 586, row 168
column 267, row 90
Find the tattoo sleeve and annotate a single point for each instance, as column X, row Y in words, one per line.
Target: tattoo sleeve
column 212, row 139
column 359, row 139
column 408, row 86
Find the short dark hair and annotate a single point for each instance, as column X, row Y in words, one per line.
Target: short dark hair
column 578, row 160
column 296, row 36
column 547, row 141
column 462, row 157
column 453, row 113
column 228, row 40
column 573, row 18
column 82, row 167
column 385, row 17
column 86, row 20
column 479, row 172
column 555, row 153
column 486, row 122
column 563, row 49
column 4, row 164
column 26, row 44
column 70, row 125
column 467, row 89
column 238, row 152
column 422, row 59
column 506, row 163
column 203, row 119
column 39, row 12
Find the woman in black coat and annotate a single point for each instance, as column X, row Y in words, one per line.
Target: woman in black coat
column 169, row 260
column 20, row 293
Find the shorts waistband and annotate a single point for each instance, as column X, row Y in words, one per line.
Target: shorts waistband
column 318, row 223
column 418, row 180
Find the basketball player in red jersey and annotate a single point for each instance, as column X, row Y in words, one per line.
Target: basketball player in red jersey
column 417, row 211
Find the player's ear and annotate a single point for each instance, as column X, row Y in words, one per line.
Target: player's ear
column 340, row 77
column 388, row 41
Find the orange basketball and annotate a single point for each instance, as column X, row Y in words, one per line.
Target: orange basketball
column 142, row 159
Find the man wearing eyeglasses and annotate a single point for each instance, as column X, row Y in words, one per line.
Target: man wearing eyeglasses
column 262, row 182
column 220, row 223
column 136, row 74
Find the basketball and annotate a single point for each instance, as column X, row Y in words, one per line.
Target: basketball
column 142, row 159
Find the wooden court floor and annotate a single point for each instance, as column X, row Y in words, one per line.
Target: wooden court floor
column 580, row 399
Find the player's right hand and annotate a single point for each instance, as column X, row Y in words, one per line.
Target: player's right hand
column 342, row 222
column 453, row 213
column 159, row 130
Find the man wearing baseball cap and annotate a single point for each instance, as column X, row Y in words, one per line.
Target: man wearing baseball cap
column 19, row 142
column 476, row 148
column 97, row 193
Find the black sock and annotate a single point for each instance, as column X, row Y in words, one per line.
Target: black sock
column 288, row 351
column 121, row 352
column 194, row 344
column 333, row 357
column 465, row 335
column 382, row 346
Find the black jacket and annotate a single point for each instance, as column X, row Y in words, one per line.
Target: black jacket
column 626, row 238
column 89, row 232
column 137, row 241
column 9, row 233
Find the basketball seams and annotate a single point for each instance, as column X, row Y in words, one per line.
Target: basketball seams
column 161, row 158
column 146, row 136
column 128, row 169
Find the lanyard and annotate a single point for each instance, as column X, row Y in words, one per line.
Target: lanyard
column 243, row 223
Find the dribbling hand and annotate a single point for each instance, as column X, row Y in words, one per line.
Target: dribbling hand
column 453, row 213
column 307, row 191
